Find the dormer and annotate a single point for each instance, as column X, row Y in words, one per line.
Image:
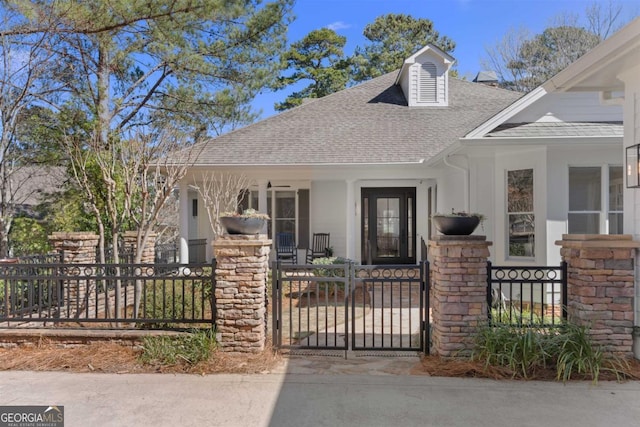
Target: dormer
column 424, row 77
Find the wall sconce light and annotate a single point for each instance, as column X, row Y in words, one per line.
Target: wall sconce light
column 633, row 168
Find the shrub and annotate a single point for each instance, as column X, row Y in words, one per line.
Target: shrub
column 522, row 350
column 189, row 348
column 568, row 348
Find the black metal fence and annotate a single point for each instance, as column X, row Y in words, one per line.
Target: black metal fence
column 171, row 296
column 351, row 307
column 167, row 253
column 527, row 296
column 197, row 250
column 40, row 259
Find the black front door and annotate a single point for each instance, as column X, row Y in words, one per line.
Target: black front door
column 388, row 225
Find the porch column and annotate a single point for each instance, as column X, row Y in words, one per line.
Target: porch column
column 458, row 292
column 262, row 200
column 183, row 214
column 351, row 221
column 600, row 277
column 241, row 284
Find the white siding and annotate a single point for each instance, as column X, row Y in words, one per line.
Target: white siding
column 328, row 212
column 559, row 159
column 569, row 107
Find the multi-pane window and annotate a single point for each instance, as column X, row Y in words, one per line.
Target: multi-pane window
column 587, row 206
column 288, row 216
column 521, row 220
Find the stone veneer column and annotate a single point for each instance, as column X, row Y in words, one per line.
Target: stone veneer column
column 130, row 239
column 76, row 247
column 242, row 263
column 458, row 292
column 600, row 287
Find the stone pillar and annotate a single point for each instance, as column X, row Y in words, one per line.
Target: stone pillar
column 241, row 278
column 458, row 292
column 77, row 247
column 131, row 244
column 600, row 285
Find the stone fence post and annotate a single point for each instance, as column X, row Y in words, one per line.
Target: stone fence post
column 600, row 270
column 459, row 292
column 130, row 239
column 242, row 263
column 76, row 247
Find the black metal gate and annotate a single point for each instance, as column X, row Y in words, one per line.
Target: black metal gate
column 351, row 307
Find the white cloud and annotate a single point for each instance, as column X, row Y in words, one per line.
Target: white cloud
column 338, row 25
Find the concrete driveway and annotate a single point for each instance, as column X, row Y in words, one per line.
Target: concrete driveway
column 348, row 398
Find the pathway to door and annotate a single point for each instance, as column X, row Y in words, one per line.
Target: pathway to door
column 359, row 308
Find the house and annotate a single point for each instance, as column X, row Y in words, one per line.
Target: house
column 370, row 165
column 612, row 69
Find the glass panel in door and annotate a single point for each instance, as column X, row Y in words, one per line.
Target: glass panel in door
column 388, row 227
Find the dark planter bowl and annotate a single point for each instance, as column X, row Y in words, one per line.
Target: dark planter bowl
column 456, row 225
column 242, row 225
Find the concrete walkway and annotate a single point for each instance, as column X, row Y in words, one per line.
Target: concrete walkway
column 298, row 395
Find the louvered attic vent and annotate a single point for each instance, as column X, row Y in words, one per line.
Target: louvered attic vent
column 427, row 86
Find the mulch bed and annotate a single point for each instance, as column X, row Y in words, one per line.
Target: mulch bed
column 121, row 359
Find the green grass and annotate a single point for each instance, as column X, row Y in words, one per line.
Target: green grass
column 189, row 348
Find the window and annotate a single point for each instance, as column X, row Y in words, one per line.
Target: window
column 616, row 185
column 587, row 207
column 521, row 220
column 288, row 214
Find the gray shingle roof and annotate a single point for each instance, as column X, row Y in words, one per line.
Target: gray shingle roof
column 368, row 123
column 557, row 129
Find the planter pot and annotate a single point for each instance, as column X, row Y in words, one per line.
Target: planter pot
column 456, row 225
column 242, row 225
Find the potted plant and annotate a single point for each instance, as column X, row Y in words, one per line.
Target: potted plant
column 457, row 223
column 248, row 222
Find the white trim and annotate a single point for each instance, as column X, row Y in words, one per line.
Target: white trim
column 504, row 115
column 609, row 51
column 447, row 59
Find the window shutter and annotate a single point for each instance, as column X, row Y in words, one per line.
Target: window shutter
column 427, row 85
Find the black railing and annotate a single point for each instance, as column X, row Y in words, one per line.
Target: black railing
column 167, row 253
column 424, row 250
column 38, row 259
column 107, row 295
column 197, row 250
column 126, row 255
column 527, row 296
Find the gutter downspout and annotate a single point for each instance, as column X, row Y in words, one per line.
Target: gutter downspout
column 466, row 178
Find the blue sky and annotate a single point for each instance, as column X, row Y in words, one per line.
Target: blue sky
column 472, row 24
